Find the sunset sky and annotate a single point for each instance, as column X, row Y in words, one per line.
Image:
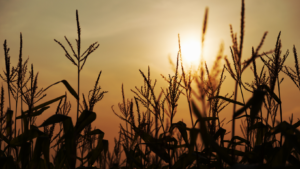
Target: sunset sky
column 135, row 34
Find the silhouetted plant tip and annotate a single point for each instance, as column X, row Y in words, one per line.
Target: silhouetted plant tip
column 79, row 57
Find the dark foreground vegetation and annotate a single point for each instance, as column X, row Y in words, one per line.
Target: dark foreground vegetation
column 150, row 138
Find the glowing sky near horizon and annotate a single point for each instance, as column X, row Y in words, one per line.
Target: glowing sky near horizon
column 135, row 34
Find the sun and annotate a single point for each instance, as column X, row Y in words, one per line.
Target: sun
column 190, row 50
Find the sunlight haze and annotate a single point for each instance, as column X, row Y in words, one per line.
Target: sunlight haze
column 135, row 34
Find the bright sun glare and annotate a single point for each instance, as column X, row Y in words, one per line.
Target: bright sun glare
column 190, row 50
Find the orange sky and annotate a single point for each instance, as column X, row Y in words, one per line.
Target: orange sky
column 134, row 34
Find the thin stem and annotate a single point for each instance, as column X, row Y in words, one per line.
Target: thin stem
column 280, row 108
column 16, row 115
column 78, row 87
column 189, row 103
column 245, row 112
column 233, row 121
column 78, row 77
column 78, row 64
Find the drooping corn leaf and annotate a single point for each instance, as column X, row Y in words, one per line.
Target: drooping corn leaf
column 240, row 139
column 37, row 113
column 26, row 136
column 220, row 133
column 272, row 93
column 101, row 146
column 96, row 152
column 4, row 138
column 44, row 104
column 85, row 119
column 227, row 99
column 96, row 131
column 56, row 118
column 68, row 86
column 258, row 98
column 247, row 116
column 206, row 119
column 206, row 138
column 154, row 144
column 182, row 129
column 243, row 109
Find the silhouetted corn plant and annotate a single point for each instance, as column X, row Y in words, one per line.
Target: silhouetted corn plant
column 78, row 56
column 150, row 139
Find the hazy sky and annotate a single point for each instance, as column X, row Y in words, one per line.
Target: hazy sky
column 135, row 34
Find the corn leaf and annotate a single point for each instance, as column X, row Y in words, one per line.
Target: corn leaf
column 85, row 119
column 227, row 99
column 45, row 104
column 206, row 138
column 68, row 86
column 182, row 129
